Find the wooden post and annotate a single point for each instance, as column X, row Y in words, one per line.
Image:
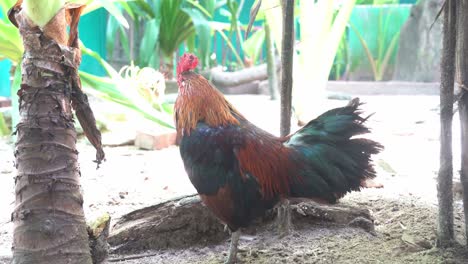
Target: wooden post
column 287, row 65
column 444, row 180
column 287, row 52
column 462, row 79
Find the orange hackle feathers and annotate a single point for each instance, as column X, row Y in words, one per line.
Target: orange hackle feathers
column 198, row 100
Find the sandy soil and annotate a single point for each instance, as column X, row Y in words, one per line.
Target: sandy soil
column 405, row 210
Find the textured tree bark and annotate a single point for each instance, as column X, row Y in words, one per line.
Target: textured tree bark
column 49, row 223
column 462, row 81
column 445, row 232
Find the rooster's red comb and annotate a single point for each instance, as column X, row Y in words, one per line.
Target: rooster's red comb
column 187, row 62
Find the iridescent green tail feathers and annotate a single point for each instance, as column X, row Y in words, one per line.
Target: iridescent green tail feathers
column 332, row 159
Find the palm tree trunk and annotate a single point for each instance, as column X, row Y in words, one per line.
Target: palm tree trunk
column 49, row 222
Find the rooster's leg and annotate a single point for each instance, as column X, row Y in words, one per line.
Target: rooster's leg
column 232, row 258
column 284, row 218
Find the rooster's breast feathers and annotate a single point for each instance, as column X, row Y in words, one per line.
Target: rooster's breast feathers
column 229, row 172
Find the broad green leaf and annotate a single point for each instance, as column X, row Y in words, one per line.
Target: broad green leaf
column 42, row 11
column 11, row 45
column 203, row 31
column 111, row 34
column 200, row 8
column 124, row 41
column 209, row 6
column 114, row 11
column 128, row 9
column 145, row 8
column 149, row 41
column 92, row 5
column 190, row 44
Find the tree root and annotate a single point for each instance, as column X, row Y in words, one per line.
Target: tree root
column 184, row 222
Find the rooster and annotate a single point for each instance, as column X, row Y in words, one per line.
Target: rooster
column 240, row 171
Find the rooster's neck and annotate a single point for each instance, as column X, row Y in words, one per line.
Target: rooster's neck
column 198, row 101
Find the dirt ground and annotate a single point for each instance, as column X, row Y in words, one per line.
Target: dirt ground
column 405, row 210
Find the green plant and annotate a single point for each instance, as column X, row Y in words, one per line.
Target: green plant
column 321, row 33
column 341, row 60
column 380, row 62
column 251, row 45
column 149, row 83
column 220, row 27
column 380, row 59
column 4, row 129
column 203, row 47
column 125, row 90
column 11, row 47
column 232, row 11
column 164, row 26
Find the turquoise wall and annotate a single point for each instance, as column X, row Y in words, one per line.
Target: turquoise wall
column 92, row 30
column 5, row 66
